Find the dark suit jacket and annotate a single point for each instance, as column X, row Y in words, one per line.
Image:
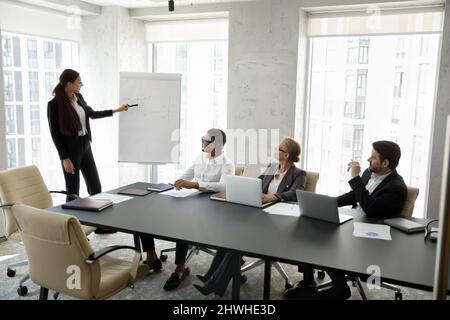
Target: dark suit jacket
column 294, row 179
column 61, row 140
column 387, row 199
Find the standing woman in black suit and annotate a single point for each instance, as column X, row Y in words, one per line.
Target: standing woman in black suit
column 68, row 117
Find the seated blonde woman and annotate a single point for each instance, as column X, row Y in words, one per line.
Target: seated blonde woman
column 279, row 183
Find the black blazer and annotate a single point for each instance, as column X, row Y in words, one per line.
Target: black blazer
column 387, row 199
column 294, row 179
column 60, row 139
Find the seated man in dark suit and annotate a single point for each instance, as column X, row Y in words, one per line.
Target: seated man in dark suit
column 379, row 192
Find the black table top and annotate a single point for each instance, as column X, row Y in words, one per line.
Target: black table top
column 406, row 260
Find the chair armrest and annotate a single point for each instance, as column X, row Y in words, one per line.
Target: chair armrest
column 100, row 253
column 70, row 195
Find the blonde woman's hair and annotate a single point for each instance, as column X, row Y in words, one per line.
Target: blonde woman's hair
column 293, row 148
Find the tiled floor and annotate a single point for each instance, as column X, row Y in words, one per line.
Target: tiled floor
column 150, row 288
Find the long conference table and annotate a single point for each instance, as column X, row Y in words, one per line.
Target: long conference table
column 406, row 260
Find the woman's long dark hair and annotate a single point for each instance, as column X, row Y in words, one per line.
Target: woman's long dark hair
column 68, row 119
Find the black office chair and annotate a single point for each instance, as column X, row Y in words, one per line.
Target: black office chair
column 311, row 182
column 194, row 250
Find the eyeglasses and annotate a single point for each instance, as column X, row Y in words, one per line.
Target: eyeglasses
column 206, row 141
column 430, row 230
column 281, row 150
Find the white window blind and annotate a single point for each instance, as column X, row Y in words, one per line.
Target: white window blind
column 187, row 30
column 376, row 21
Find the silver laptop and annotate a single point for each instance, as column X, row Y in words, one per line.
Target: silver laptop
column 244, row 190
column 319, row 206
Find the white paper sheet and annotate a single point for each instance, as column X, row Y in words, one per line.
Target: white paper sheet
column 182, row 193
column 115, row 198
column 285, row 209
column 372, row 231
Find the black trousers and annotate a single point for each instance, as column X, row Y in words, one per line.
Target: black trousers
column 80, row 154
column 220, row 272
column 148, row 244
column 337, row 277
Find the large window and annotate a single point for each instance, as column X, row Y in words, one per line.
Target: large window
column 382, row 88
column 31, row 67
column 202, row 65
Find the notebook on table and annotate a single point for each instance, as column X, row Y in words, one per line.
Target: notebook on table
column 87, row 204
column 159, row 187
column 405, row 224
column 135, row 192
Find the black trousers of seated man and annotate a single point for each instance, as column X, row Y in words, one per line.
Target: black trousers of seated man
column 148, row 244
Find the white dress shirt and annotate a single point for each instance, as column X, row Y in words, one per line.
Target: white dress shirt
column 375, row 181
column 209, row 173
column 80, row 111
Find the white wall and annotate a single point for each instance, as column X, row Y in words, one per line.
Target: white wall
column 262, row 68
column 302, row 85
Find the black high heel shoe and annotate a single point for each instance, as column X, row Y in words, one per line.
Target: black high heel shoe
column 202, row 278
column 203, row 290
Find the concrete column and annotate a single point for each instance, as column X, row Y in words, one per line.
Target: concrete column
column 262, row 72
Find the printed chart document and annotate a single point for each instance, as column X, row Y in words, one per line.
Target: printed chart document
column 115, row 198
column 182, row 193
column 372, row 231
column 284, row 209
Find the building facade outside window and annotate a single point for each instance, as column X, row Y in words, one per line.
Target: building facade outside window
column 31, row 67
column 382, row 87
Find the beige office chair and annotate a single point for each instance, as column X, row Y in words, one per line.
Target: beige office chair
column 60, row 257
column 24, row 186
column 311, row 183
column 194, row 250
column 407, row 211
column 411, row 198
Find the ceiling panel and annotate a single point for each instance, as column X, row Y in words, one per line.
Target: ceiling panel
column 153, row 3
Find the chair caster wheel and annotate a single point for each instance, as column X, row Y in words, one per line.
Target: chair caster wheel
column 56, row 295
column 288, row 286
column 163, row 257
column 11, row 272
column 22, row 291
column 243, row 278
column 398, row 296
column 321, row 275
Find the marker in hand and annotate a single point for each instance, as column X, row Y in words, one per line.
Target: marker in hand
column 133, row 105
